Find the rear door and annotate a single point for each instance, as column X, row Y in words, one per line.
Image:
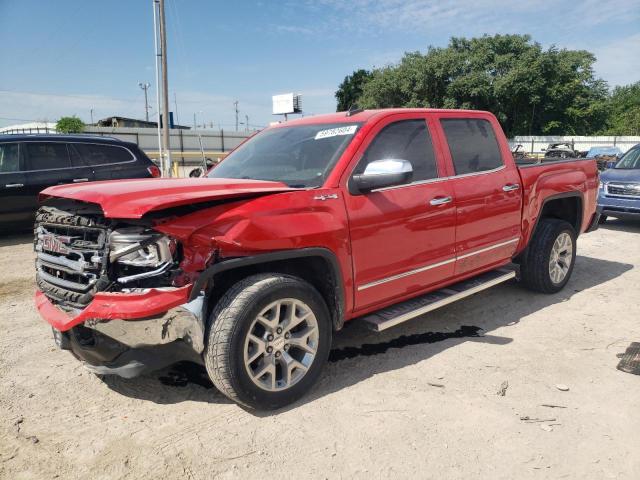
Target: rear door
column 487, row 191
column 47, row 164
column 111, row 161
column 14, row 199
column 402, row 237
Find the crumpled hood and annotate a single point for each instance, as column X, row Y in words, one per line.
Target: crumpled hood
column 136, row 197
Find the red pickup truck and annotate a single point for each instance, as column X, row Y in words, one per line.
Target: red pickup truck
column 381, row 215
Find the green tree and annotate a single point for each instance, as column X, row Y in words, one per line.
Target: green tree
column 351, row 88
column 624, row 111
column 530, row 90
column 70, row 125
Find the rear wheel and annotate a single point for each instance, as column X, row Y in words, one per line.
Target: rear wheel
column 549, row 261
column 269, row 339
column 602, row 219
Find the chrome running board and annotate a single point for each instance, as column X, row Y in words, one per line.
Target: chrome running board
column 401, row 312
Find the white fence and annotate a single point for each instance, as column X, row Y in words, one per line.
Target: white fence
column 535, row 144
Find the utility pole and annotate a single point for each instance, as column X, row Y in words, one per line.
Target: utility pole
column 145, row 87
column 195, row 124
column 246, row 122
column 165, row 91
column 235, row 105
column 154, row 4
column 91, row 112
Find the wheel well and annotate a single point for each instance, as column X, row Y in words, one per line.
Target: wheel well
column 565, row 208
column 315, row 270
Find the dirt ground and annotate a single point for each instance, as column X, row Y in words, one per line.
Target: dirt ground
column 419, row 401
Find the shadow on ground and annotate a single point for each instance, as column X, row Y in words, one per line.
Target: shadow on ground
column 359, row 353
column 10, row 238
column 631, row 226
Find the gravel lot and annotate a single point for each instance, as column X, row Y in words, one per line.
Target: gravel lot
column 417, row 401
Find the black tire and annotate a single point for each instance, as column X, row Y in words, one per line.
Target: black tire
column 534, row 270
column 230, row 323
column 602, row 219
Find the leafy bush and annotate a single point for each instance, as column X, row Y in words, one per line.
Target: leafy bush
column 70, row 125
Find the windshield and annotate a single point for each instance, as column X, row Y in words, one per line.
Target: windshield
column 300, row 156
column 630, row 160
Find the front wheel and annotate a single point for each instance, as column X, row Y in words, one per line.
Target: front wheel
column 549, row 261
column 269, row 338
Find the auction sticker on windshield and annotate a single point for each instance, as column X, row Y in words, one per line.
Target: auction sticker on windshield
column 334, row 132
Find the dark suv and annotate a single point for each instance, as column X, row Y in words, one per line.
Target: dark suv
column 31, row 163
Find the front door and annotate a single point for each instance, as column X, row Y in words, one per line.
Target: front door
column 402, row 237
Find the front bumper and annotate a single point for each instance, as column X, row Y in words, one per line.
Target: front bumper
column 127, row 334
column 626, row 208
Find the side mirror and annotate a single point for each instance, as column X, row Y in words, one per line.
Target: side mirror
column 610, row 164
column 381, row 174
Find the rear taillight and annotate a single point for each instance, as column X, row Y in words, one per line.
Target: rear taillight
column 154, row 171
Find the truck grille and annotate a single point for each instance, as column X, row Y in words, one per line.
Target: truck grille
column 70, row 259
column 623, row 189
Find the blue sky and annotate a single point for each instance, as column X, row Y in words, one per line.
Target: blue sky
column 67, row 56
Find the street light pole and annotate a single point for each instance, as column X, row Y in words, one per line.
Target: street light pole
column 165, row 90
column 246, row 122
column 145, row 87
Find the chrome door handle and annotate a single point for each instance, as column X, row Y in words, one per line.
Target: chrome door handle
column 440, row 201
column 510, row 187
column 14, row 185
column 78, row 180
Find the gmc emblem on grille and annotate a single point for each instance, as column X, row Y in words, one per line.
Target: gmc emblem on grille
column 52, row 244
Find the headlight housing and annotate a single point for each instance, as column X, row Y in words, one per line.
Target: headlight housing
column 138, row 247
column 601, row 185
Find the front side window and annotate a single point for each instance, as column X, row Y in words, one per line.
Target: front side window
column 9, row 157
column 46, row 155
column 473, row 145
column 404, row 140
column 300, row 156
column 93, row 154
column 630, row 160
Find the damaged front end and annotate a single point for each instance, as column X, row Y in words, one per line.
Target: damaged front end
column 114, row 292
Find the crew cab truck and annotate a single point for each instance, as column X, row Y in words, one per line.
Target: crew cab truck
column 381, row 215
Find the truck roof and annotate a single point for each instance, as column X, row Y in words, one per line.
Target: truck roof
column 366, row 115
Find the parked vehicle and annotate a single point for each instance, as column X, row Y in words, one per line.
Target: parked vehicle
column 619, row 192
column 31, row 163
column 380, row 215
column 606, row 157
column 521, row 157
column 560, row 150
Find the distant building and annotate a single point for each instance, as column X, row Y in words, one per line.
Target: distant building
column 124, row 122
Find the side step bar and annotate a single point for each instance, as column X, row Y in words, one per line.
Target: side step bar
column 401, row 312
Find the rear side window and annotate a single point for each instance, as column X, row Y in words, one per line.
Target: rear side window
column 473, row 145
column 404, row 140
column 94, row 154
column 9, row 157
column 46, row 155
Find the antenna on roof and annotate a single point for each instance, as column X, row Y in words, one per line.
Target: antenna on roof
column 354, row 110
